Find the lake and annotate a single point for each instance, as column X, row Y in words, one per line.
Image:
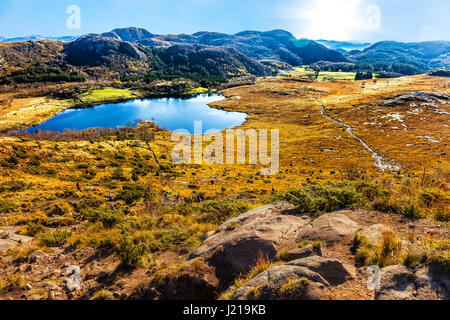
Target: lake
column 168, row 113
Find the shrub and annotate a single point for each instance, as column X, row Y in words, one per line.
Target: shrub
column 381, row 255
column 262, row 264
column 109, row 218
column 56, row 238
column 89, row 203
column 364, row 76
column 398, row 206
column 412, row 259
column 82, row 166
column 129, row 253
column 118, row 174
column 332, row 196
column 215, row 211
column 34, row 229
column 132, row 193
column 174, row 237
column 442, row 215
column 294, row 289
column 283, row 255
column 10, row 162
column 7, row 206
column 14, row 186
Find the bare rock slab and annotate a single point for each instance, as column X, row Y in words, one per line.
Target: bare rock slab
column 330, row 228
column 332, row 270
column 6, row 244
column 236, row 245
column 269, row 284
column 400, row 283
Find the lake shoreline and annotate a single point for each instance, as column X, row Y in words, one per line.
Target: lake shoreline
column 182, row 111
column 49, row 107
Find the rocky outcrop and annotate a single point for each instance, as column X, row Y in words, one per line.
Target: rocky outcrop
column 400, row 283
column 302, row 279
column 194, row 281
column 330, row 228
column 330, row 269
column 272, row 285
column 9, row 239
column 93, row 50
column 236, row 245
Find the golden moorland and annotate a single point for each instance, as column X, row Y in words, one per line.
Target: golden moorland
column 385, row 133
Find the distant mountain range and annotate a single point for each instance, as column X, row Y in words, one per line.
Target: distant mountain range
column 37, row 38
column 410, row 58
column 135, row 52
column 276, row 45
column 344, row 46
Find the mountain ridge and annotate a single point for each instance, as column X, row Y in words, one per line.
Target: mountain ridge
column 136, row 52
column 421, row 56
column 276, row 44
column 38, row 38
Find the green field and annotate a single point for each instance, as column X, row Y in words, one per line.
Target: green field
column 304, row 72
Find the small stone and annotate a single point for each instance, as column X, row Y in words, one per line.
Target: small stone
column 6, row 244
column 36, row 256
column 27, row 287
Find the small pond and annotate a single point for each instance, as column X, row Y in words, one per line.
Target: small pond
column 168, row 113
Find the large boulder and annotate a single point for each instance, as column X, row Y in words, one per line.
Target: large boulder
column 194, row 281
column 400, row 283
column 284, row 282
column 332, row 270
column 330, row 228
column 236, row 245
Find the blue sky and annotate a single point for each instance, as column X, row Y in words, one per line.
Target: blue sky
column 371, row 20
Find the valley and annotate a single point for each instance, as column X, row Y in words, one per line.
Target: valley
column 363, row 180
column 329, row 133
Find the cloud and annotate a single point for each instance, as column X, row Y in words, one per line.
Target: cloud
column 338, row 20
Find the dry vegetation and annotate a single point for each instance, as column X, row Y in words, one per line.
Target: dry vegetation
column 148, row 217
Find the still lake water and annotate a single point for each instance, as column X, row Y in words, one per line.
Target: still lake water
column 169, row 113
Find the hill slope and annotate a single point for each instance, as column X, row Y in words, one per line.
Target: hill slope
column 413, row 57
column 276, row 45
column 19, row 55
column 109, row 57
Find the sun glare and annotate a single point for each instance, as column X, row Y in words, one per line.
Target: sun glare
column 330, row 19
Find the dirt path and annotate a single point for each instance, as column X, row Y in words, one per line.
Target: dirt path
column 380, row 162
